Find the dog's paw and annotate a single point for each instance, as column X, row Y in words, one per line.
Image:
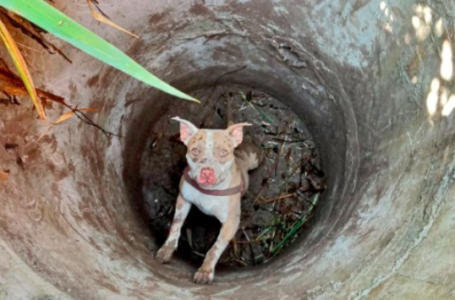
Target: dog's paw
column 203, row 276
column 164, row 255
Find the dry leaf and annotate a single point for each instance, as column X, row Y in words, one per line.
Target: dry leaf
column 11, row 89
column 69, row 114
column 64, row 117
column 21, row 67
column 3, row 176
column 13, row 85
column 97, row 16
column 33, row 32
column 44, row 133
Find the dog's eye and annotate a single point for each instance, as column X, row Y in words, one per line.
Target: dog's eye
column 195, row 151
column 223, row 153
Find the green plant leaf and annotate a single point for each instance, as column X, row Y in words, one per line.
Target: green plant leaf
column 58, row 24
column 21, row 67
column 297, row 225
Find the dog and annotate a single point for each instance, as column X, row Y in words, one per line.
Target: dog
column 214, row 181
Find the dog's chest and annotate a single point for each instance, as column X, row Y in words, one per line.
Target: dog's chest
column 217, row 206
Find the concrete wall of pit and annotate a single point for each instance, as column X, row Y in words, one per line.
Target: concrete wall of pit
column 357, row 72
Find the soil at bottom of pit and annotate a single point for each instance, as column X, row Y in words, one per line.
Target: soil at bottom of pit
column 283, row 190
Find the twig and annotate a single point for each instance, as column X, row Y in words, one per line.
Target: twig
column 199, row 254
column 257, row 197
column 229, row 73
column 277, row 198
column 83, row 117
column 258, row 238
column 241, row 262
column 251, row 246
column 286, row 141
column 297, row 167
column 11, row 99
column 215, row 84
column 248, row 242
column 189, row 236
column 282, row 145
column 269, row 174
column 235, row 248
column 27, row 47
column 246, row 234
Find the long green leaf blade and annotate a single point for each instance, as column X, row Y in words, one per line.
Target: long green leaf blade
column 55, row 22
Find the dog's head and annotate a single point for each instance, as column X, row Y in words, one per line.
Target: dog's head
column 210, row 152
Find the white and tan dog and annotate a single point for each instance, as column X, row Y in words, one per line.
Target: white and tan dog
column 214, row 181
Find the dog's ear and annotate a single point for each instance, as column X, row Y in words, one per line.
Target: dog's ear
column 236, row 131
column 187, row 129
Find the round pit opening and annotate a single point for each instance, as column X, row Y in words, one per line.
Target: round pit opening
column 209, row 69
column 283, row 191
column 72, row 217
column 149, row 124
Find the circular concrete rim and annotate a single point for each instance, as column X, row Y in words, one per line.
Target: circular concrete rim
column 73, row 220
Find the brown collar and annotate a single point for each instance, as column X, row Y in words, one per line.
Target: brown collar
column 240, row 189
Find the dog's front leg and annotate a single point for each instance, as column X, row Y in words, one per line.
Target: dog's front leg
column 206, row 272
column 182, row 208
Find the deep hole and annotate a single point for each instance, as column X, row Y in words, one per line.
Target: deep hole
column 67, row 223
column 278, row 204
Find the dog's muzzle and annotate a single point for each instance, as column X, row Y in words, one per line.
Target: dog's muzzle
column 207, row 177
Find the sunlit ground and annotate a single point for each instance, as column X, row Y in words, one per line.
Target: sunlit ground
column 440, row 99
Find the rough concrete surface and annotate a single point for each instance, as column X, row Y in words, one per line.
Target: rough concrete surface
column 356, row 72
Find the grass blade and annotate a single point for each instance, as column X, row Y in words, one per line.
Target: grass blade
column 257, row 109
column 21, row 67
column 58, row 24
column 297, row 225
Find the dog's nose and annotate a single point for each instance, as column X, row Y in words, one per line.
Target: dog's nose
column 207, row 172
column 207, row 176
